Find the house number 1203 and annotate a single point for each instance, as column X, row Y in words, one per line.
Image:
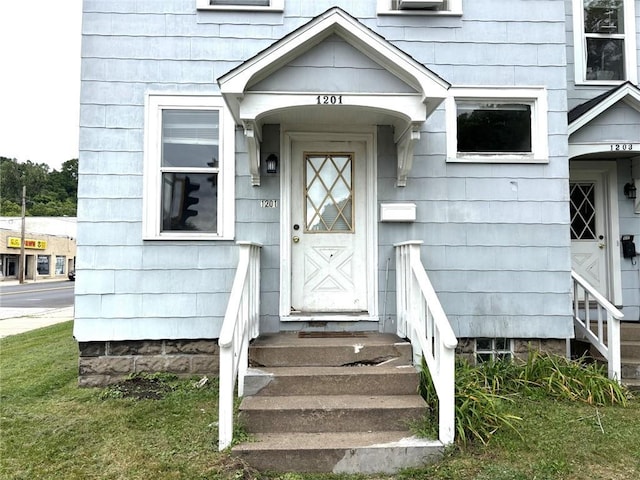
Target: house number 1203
column 621, row 147
column 329, row 99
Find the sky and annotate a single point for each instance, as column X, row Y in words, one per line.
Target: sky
column 40, row 80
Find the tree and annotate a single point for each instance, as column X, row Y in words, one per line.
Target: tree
column 48, row 193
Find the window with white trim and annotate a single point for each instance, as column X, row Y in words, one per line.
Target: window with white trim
column 419, row 7
column 604, row 41
column 494, row 124
column 254, row 5
column 189, row 168
column 492, row 349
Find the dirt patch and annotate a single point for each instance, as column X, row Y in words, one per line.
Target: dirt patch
column 139, row 388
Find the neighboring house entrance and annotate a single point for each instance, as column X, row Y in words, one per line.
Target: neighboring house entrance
column 330, row 228
column 594, row 229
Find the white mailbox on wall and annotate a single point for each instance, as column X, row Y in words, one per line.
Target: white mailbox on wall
column 397, row 212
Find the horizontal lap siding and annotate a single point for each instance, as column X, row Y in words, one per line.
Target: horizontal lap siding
column 490, row 231
column 127, row 288
column 496, row 241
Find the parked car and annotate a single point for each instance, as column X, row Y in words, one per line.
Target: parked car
column 72, row 275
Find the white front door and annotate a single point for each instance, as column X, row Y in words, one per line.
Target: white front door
column 588, row 235
column 328, row 231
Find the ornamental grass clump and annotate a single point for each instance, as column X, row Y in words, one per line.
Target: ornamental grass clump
column 485, row 393
column 553, row 376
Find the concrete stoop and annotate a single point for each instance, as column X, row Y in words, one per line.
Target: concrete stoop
column 630, row 353
column 334, row 405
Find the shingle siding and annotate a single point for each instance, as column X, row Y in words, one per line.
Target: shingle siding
column 495, row 236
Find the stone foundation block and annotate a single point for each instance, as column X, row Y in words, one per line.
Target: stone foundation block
column 179, row 364
column 105, row 365
column 192, row 347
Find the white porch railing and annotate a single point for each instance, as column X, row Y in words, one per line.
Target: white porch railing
column 241, row 325
column 587, row 301
column 422, row 320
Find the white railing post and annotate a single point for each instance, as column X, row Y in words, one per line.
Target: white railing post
column 614, row 369
column 608, row 347
column 241, row 325
column 420, row 318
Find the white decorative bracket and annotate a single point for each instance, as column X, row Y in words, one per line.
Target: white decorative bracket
column 405, row 145
column 252, row 134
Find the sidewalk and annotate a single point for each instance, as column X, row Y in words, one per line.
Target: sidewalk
column 20, row 320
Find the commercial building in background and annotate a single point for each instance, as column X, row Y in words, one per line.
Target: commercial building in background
column 50, row 247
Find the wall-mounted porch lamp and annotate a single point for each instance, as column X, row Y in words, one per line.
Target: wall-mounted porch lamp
column 630, row 190
column 272, row 164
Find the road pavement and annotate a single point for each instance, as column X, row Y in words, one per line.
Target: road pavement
column 19, row 320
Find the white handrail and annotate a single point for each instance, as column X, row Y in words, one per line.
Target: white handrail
column 421, row 319
column 585, row 299
column 241, row 325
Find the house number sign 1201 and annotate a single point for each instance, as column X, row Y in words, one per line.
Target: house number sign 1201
column 268, row 203
column 329, row 99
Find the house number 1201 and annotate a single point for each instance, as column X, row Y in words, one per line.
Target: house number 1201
column 329, row 99
column 269, row 203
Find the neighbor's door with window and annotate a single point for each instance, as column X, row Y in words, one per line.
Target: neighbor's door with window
column 589, row 242
column 328, row 227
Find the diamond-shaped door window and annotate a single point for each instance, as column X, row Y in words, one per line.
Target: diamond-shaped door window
column 583, row 211
column 329, row 192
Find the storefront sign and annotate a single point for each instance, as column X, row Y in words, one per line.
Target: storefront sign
column 14, row 242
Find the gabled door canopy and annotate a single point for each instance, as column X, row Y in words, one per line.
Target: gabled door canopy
column 407, row 112
column 583, row 114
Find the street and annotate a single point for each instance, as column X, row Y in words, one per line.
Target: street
column 56, row 294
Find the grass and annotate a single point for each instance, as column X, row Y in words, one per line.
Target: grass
column 51, row 429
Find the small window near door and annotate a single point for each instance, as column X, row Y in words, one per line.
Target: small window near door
column 189, row 168
column 497, row 125
column 493, row 128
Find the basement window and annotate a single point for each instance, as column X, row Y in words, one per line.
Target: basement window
column 253, row 5
column 419, row 7
column 488, row 349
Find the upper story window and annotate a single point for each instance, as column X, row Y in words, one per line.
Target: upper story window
column 604, row 39
column 188, row 175
column 420, row 7
column 497, row 125
column 257, row 5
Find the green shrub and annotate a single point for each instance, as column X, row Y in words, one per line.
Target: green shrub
column 485, row 392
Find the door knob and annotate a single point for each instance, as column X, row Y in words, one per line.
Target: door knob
column 296, row 239
column 601, row 245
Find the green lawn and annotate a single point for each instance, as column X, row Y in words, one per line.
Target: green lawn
column 51, row 429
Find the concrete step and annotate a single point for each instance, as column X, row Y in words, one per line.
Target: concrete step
column 349, row 453
column 630, row 331
column 365, row 380
column 290, row 350
column 330, row 413
column 630, row 369
column 630, row 349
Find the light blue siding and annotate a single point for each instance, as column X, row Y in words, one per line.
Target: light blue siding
column 495, row 235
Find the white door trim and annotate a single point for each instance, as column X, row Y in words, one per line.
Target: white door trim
column 608, row 171
column 368, row 137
